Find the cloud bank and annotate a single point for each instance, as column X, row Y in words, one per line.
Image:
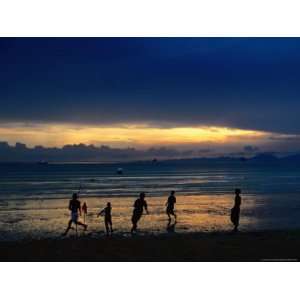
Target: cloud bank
column 232, row 82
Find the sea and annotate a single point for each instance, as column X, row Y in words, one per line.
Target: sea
column 34, row 197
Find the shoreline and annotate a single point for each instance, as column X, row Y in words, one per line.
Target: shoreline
column 273, row 245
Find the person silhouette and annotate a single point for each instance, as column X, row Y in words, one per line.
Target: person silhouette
column 170, row 205
column 139, row 205
column 75, row 208
column 107, row 218
column 235, row 211
column 84, row 211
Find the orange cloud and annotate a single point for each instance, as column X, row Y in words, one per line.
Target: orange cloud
column 126, row 135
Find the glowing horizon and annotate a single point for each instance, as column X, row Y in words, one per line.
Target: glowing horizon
column 141, row 136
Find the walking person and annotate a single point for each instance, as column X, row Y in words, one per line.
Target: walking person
column 170, row 206
column 235, row 211
column 106, row 212
column 139, row 205
column 75, row 208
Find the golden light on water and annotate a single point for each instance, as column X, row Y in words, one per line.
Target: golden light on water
column 125, row 135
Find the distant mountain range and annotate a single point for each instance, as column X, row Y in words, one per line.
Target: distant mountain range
column 261, row 158
column 90, row 153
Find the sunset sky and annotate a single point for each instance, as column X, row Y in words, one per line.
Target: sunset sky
column 220, row 93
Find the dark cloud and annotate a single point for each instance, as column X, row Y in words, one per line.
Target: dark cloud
column 237, row 82
column 251, row 149
column 280, row 138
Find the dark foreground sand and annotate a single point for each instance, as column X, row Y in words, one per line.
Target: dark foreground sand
column 218, row 246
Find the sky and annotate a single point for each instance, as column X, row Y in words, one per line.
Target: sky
column 219, row 93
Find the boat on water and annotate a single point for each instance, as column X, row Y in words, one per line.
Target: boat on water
column 120, row 171
column 42, row 162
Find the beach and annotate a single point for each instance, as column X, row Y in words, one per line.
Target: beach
column 34, row 198
column 30, row 219
column 34, row 212
column 216, row 246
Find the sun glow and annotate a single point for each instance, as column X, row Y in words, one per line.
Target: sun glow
column 124, row 135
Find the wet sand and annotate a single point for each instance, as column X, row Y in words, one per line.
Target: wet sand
column 212, row 246
column 36, row 219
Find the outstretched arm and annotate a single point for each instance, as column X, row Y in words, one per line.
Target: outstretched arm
column 100, row 213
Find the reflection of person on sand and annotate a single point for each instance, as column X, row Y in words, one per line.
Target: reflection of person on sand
column 139, row 206
column 107, row 218
column 74, row 207
column 170, row 205
column 171, row 227
column 84, row 211
column 235, row 211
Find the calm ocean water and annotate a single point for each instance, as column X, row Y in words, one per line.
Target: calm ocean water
column 34, row 198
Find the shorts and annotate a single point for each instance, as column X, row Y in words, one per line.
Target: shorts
column 107, row 220
column 170, row 210
column 74, row 217
column 136, row 217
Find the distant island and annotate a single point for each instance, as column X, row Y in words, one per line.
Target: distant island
column 99, row 154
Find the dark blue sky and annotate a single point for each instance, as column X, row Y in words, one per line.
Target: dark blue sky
column 237, row 82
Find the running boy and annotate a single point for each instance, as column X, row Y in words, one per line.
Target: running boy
column 106, row 212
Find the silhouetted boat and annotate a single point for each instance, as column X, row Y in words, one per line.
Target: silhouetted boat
column 42, row 162
column 120, row 171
